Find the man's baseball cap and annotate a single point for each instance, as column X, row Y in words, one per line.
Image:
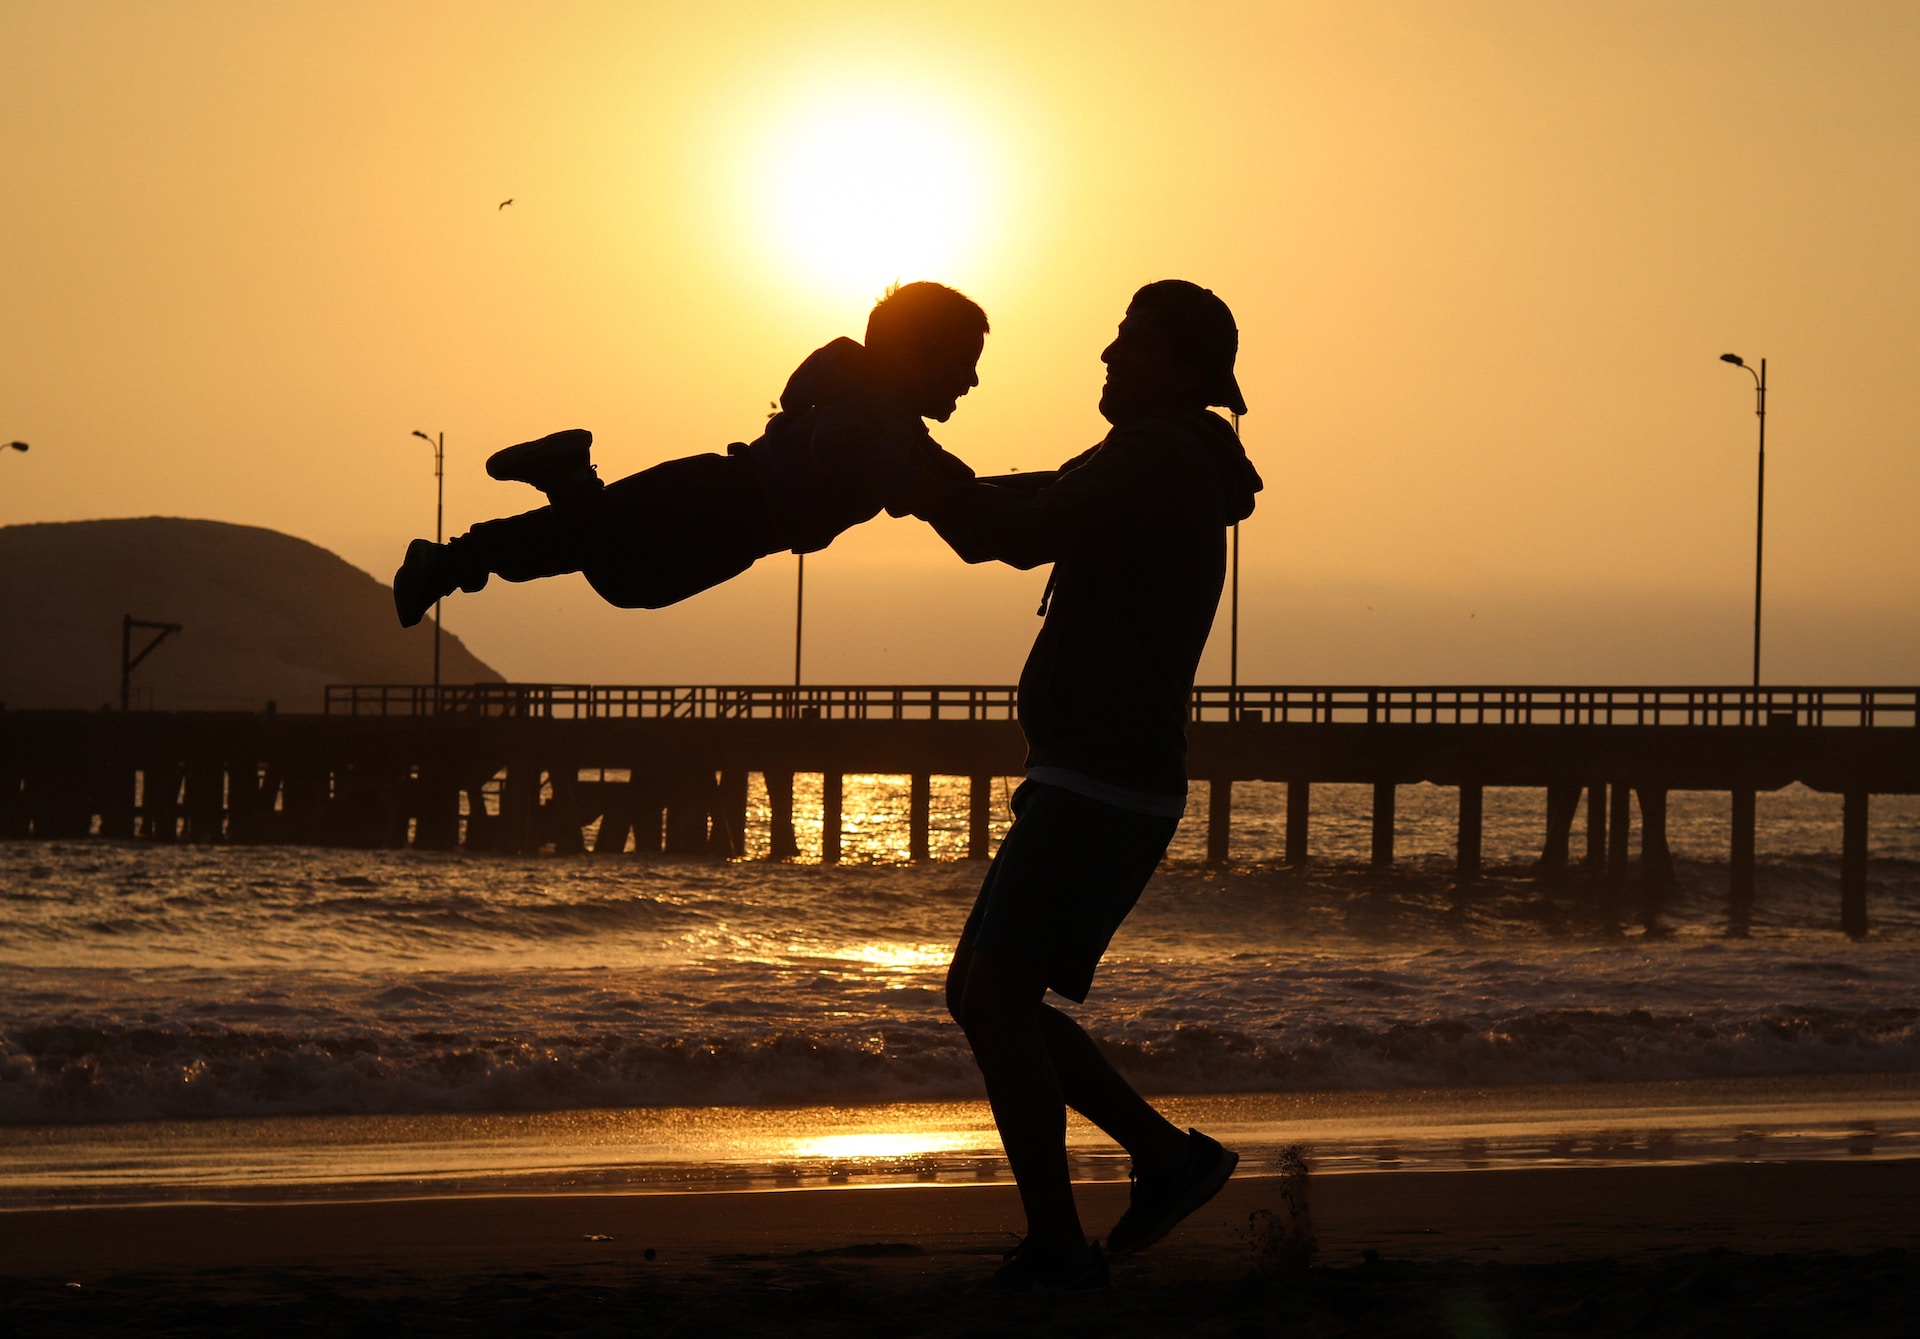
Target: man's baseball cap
column 1201, row 329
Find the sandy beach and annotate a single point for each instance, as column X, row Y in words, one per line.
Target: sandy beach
column 1736, row 1248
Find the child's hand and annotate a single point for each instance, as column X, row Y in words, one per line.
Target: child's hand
column 926, row 482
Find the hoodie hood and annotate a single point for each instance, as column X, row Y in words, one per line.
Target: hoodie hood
column 1239, row 480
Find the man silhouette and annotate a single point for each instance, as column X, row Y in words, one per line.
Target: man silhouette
column 1136, row 532
column 847, row 440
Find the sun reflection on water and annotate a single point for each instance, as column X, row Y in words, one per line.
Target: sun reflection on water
column 880, row 1145
column 873, row 817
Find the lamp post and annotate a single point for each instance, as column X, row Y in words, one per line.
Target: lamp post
column 799, row 611
column 1760, row 494
column 439, row 445
column 1233, row 639
column 16, row 446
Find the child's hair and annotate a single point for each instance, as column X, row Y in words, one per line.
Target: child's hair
column 923, row 314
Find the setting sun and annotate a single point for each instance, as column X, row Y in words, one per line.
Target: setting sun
column 866, row 188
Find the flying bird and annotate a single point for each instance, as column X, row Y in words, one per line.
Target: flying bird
column 504, row 203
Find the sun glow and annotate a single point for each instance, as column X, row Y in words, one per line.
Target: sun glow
column 867, row 188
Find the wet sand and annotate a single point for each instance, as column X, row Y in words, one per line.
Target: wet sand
column 1744, row 1247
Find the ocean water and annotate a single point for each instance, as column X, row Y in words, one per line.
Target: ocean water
column 143, row 983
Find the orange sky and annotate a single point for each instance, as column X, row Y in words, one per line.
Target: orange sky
column 1484, row 257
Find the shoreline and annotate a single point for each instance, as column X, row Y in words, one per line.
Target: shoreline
column 1795, row 1118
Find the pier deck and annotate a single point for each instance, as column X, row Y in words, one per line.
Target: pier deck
column 527, row 767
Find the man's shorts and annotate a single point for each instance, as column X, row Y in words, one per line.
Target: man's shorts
column 1068, row 873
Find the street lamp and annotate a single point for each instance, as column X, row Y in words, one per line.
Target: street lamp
column 16, row 446
column 1760, row 493
column 439, row 445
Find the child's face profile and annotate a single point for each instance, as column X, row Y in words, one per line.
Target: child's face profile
column 944, row 372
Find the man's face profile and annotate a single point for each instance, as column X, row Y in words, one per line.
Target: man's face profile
column 1142, row 372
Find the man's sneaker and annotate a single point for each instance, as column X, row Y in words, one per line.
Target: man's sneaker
column 1160, row 1202
column 559, row 464
column 1028, row 1269
column 428, row 574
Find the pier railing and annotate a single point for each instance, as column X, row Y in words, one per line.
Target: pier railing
column 1304, row 705
column 937, row 702
column 1536, row 705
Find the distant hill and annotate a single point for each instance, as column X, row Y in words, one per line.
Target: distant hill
column 267, row 618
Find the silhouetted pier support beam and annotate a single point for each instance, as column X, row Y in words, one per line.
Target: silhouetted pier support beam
column 160, row 801
column 830, row 804
column 616, row 820
column 728, row 839
column 979, row 817
column 1619, row 830
column 781, row 844
column 1853, row 864
column 1384, row 794
column 919, row 805
column 1219, row 820
column 1597, row 825
column 519, row 799
column 1562, row 803
column 1467, row 844
column 1740, row 864
column 1299, row 806
column 690, row 807
column 1656, row 861
column 436, row 824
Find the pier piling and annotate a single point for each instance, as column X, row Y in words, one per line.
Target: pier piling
column 1656, row 860
column 1853, row 864
column 1384, row 793
column 1619, row 831
column 781, row 843
column 1562, row 802
column 919, row 807
column 1299, row 805
column 1597, row 825
column 1740, row 863
column 729, row 837
column 830, row 804
column 1219, row 820
column 979, row 817
column 1467, row 843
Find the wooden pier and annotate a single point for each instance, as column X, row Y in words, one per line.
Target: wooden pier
column 529, row 767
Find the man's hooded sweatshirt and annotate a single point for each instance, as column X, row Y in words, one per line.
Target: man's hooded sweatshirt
column 1136, row 532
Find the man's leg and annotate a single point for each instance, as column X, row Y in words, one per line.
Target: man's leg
column 998, row 1006
column 1095, row 1089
